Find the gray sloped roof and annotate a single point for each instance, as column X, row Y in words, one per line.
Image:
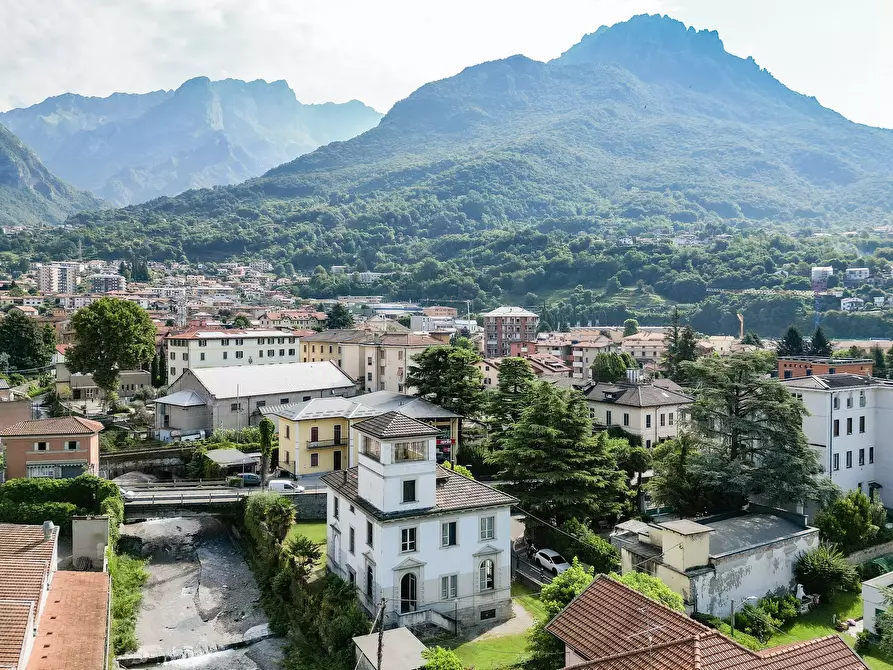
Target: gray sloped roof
column 260, row 380
column 417, row 408
column 321, row 408
column 392, row 425
column 182, row 399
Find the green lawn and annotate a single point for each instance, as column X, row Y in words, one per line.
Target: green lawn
column 500, row 653
column 316, row 531
column 529, row 600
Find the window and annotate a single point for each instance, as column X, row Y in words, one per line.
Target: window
column 283, row 401
column 849, row 402
column 336, row 506
column 351, row 540
column 271, row 353
column 488, row 614
column 201, row 356
column 370, row 582
column 861, row 398
column 849, row 459
column 663, row 419
column 849, row 426
column 224, row 342
column 41, row 446
column 351, row 576
column 836, row 402
column 647, row 421
column 625, row 419
column 859, row 486
column 291, row 352
column 173, row 372
column 486, row 579
column 368, row 360
column 71, row 445
column 173, row 356
column 448, row 534
column 408, row 593
column 203, row 343
column 240, row 354
column 861, row 424
column 410, row 451
column 235, row 407
column 305, row 398
column 261, row 403
column 488, row 527
column 314, row 460
column 409, row 491
column 281, row 340
column 282, row 352
column 608, row 418
column 260, row 354
column 832, row 371
column 225, row 355
column 861, row 457
column 371, row 448
column 407, row 539
column 312, row 349
column 369, row 533
column 836, row 462
column 239, row 342
column 836, row 427
column 788, row 374
column 871, row 454
column 368, row 376
column 449, row 587
column 287, row 431
column 648, row 444
column 670, row 418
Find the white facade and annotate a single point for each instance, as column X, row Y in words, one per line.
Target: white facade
column 874, row 600
column 428, row 562
column 821, row 273
column 847, row 427
column 57, row 278
column 852, row 304
column 229, row 348
column 856, row 274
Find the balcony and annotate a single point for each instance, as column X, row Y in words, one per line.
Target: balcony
column 578, row 364
column 323, row 444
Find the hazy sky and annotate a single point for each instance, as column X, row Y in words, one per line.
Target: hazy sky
column 379, row 51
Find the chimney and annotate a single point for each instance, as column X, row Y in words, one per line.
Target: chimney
column 633, row 375
column 48, row 530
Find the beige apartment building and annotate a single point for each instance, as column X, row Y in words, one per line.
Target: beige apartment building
column 645, row 346
column 378, row 361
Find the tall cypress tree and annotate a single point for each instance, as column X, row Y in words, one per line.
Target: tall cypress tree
column 560, row 471
column 791, row 344
column 507, row 402
column 819, row 345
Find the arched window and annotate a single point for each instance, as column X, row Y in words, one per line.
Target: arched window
column 487, row 580
column 408, row 600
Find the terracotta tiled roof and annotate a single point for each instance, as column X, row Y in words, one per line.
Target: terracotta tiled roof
column 66, row 425
column 26, row 542
column 392, row 425
column 23, row 579
column 617, row 628
column 454, row 494
column 14, row 619
column 72, row 631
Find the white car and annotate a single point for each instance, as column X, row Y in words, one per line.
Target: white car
column 129, row 496
column 551, row 561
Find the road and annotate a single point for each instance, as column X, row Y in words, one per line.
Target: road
column 209, row 494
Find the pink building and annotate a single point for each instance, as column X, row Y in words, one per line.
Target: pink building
column 54, row 448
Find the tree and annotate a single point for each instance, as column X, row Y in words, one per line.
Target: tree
column 448, row 376
column 110, row 335
column 682, row 345
column 27, row 344
column 438, row 658
column 791, row 344
column 506, row 403
column 819, row 344
column 339, row 317
column 750, row 337
column 753, row 437
column 880, row 363
column 852, row 521
column 241, row 321
column 267, row 428
column 675, row 482
column 824, row 570
column 630, row 327
column 634, row 461
column 652, row 587
column 560, row 471
column 611, row 366
column 547, row 651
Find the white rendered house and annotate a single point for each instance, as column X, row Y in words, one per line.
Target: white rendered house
column 434, row 545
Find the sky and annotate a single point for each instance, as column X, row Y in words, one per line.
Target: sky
column 380, row 51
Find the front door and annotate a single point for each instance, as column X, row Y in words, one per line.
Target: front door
column 336, row 460
column 314, row 434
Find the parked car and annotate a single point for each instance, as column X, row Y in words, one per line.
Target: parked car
column 284, row 486
column 129, row 496
column 249, row 478
column 551, row 561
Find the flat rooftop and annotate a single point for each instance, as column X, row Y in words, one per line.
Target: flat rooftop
column 748, row 530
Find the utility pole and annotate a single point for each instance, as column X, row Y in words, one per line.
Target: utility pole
column 381, row 633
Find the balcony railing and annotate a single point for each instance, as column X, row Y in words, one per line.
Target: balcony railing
column 321, row 444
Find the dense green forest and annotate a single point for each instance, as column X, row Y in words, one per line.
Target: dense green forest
column 517, row 180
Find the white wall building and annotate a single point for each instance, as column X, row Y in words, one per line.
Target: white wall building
column 197, row 349
column 849, row 419
column 874, row 600
column 852, row 304
column 58, row 278
column 855, row 275
column 433, row 544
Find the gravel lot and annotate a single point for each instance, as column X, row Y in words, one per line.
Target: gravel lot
column 200, row 596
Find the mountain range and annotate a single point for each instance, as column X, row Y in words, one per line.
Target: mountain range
column 129, row 148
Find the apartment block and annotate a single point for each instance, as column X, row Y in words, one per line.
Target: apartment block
column 506, row 325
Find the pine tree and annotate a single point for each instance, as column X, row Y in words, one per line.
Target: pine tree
column 448, row 376
column 791, row 344
column 880, row 363
column 516, row 379
column 611, row 366
column 752, row 429
column 560, row 471
column 682, row 345
column 819, row 345
column 339, row 317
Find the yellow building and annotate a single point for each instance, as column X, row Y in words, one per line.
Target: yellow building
column 314, row 436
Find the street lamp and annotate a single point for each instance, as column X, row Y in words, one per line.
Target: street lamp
column 732, row 618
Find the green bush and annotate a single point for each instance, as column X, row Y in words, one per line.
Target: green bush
column 863, row 642
column 782, row 609
column 824, row 570
column 128, row 576
column 723, row 627
column 754, row 621
column 588, row 546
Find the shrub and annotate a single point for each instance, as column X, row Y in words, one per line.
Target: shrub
column 824, row 570
column 653, row 587
column 754, row 621
column 723, row 627
column 128, row 576
column 782, row 609
column 852, row 522
column 863, row 642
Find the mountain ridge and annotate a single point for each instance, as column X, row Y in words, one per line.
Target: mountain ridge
column 132, row 147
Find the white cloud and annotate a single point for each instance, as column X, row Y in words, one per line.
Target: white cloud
column 379, row 52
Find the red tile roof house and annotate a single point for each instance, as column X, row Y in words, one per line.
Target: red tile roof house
column 612, row 627
column 54, row 448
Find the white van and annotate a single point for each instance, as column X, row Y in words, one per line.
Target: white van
column 284, row 486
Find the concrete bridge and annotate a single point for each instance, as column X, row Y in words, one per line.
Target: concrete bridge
column 164, row 462
column 163, row 503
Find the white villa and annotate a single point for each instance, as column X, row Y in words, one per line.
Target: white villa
column 434, row 545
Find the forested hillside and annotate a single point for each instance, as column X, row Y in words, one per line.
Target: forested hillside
column 133, row 147
column 518, row 177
